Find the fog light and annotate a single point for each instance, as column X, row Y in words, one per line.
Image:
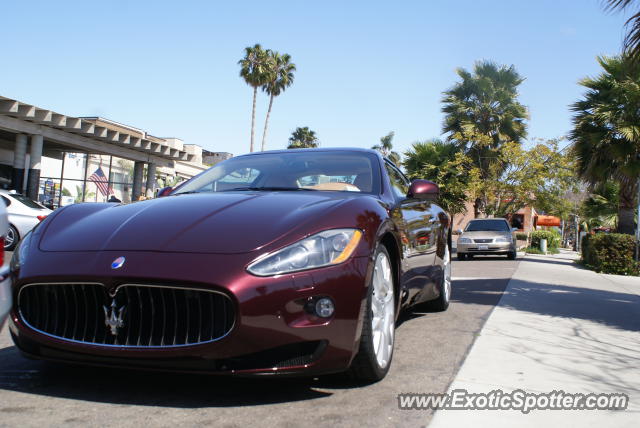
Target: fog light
column 324, row 307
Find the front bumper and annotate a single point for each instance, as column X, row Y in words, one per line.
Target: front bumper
column 486, row 248
column 273, row 333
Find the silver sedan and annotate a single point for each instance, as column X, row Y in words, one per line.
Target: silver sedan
column 487, row 236
column 5, row 280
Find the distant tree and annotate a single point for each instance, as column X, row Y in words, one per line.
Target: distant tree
column 386, row 148
column 447, row 166
column 255, row 69
column 540, row 177
column 482, row 113
column 606, row 133
column 430, row 152
column 632, row 38
column 280, row 78
column 303, row 138
column 600, row 208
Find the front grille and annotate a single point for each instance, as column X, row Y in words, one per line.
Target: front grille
column 138, row 316
column 483, row 241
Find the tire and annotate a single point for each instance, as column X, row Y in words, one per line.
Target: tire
column 373, row 359
column 462, row 256
column 512, row 255
column 11, row 238
column 442, row 302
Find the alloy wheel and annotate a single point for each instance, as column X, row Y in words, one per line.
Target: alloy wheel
column 383, row 310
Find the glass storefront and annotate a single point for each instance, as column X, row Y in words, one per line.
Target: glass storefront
column 82, row 177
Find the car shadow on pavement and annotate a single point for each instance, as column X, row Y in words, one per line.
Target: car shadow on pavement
column 133, row 387
column 611, row 308
column 163, row 389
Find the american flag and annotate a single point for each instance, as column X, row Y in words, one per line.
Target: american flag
column 101, row 181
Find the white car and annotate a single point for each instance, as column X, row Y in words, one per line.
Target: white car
column 5, row 280
column 24, row 214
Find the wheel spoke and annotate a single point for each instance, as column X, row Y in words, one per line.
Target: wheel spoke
column 383, row 310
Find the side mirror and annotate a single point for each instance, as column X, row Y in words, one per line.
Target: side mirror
column 514, row 229
column 164, row 191
column 423, row 189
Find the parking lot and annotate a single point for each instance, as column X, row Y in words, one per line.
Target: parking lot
column 429, row 350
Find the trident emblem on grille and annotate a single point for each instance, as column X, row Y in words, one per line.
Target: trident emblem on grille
column 113, row 318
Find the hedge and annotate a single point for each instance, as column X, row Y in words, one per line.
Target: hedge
column 522, row 236
column 553, row 238
column 610, row 253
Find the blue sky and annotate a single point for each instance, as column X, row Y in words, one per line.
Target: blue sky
column 364, row 67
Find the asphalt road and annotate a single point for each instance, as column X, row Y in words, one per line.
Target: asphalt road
column 430, row 348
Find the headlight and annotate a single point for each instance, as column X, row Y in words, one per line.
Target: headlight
column 503, row 239
column 20, row 253
column 322, row 249
column 464, row 241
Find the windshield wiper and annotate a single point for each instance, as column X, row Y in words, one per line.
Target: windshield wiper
column 268, row 189
column 189, row 192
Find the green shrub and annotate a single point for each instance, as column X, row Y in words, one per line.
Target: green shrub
column 522, row 236
column 553, row 238
column 610, row 253
column 536, row 250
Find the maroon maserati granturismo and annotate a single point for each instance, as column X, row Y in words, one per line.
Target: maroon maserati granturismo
column 290, row 262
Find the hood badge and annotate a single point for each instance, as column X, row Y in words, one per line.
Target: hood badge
column 114, row 317
column 117, row 263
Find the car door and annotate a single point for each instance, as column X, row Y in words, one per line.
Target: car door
column 419, row 227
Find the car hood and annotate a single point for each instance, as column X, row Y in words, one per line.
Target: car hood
column 484, row 234
column 223, row 223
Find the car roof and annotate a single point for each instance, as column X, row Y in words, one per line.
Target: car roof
column 319, row 149
column 487, row 219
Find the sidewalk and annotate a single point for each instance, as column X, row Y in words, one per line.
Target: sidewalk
column 557, row 327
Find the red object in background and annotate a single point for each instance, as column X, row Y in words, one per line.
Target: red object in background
column 1, row 250
column 548, row 220
column 42, row 217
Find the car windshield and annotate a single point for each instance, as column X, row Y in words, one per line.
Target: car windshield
column 487, row 225
column 26, row 201
column 341, row 171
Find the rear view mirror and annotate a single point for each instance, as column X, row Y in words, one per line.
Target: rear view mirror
column 423, row 189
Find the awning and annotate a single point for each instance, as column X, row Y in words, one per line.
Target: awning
column 548, row 220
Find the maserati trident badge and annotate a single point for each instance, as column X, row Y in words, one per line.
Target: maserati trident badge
column 117, row 263
column 113, row 317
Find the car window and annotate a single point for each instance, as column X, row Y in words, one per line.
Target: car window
column 399, row 184
column 342, row 171
column 26, row 201
column 242, row 177
column 488, row 226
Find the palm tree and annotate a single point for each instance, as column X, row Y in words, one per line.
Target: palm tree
column 303, row 138
column 444, row 164
column 386, row 148
column 601, row 206
column 606, row 133
column 632, row 38
column 482, row 113
column 431, row 152
column 281, row 78
column 255, row 70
